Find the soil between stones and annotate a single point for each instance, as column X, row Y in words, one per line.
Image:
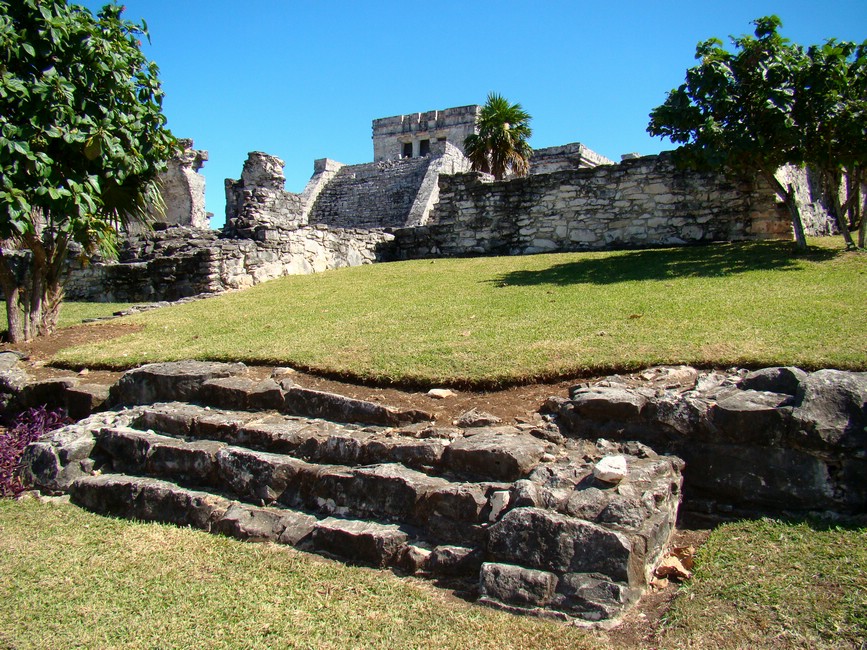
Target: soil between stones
column 639, row 627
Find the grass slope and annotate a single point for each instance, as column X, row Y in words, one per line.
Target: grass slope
column 73, row 579
column 489, row 321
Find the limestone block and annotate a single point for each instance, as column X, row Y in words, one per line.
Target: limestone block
column 549, row 541
column 611, row 469
column 751, row 417
column 363, row 541
column 516, row 585
column 455, row 560
column 831, row 410
column 494, row 454
column 260, row 476
column 608, row 403
column 314, row 403
column 180, row 380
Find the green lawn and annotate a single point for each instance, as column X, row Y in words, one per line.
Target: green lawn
column 73, row 579
column 489, row 321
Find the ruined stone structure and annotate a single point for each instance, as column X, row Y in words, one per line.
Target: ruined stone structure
column 642, row 202
column 418, row 199
column 414, row 135
column 183, row 190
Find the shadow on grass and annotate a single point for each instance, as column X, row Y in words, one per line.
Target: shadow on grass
column 710, row 261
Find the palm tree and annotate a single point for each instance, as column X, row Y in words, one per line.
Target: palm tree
column 500, row 146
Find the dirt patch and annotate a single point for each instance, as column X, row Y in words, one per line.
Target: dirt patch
column 45, row 347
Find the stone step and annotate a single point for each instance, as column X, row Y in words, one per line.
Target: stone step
column 369, row 542
column 484, row 453
column 448, row 510
column 227, row 385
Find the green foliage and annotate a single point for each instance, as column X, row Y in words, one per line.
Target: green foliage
column 82, row 137
column 500, row 146
column 831, row 113
column 736, row 109
column 770, row 103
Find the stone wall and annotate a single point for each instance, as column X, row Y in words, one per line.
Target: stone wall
column 773, row 441
column 638, row 203
column 183, row 190
column 259, row 199
column 372, row 195
column 179, row 262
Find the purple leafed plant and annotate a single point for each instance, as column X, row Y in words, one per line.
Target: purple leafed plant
column 28, row 427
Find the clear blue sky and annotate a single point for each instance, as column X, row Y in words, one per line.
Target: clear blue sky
column 303, row 79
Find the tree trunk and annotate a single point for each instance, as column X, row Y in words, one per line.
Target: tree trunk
column 11, row 293
column 35, row 292
column 833, row 180
column 787, row 194
column 862, row 232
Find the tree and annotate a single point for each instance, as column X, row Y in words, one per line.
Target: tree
column 82, row 139
column 736, row 110
column 500, row 146
column 831, row 112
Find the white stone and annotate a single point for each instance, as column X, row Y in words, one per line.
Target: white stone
column 440, row 393
column 499, row 501
column 611, row 469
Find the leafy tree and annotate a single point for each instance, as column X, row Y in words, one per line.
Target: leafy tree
column 736, row 110
column 82, row 139
column 500, row 146
column 831, row 112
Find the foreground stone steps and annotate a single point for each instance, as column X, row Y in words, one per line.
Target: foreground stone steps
column 150, row 499
column 563, row 527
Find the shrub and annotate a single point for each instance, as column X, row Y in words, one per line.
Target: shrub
column 29, row 426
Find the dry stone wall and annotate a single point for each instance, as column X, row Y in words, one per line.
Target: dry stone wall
column 258, row 199
column 179, row 262
column 567, row 156
column 639, row 203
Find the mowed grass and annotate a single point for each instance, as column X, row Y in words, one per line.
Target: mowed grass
column 768, row 584
column 489, row 321
column 73, row 579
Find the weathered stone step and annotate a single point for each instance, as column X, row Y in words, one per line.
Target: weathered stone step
column 448, row 510
column 370, row 542
column 492, row 453
column 226, row 385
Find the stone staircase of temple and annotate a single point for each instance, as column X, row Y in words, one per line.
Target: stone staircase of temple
column 530, row 517
column 371, row 195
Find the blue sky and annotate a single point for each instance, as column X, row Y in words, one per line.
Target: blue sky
column 303, row 79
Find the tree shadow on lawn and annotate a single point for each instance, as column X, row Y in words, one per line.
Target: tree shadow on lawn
column 710, row 261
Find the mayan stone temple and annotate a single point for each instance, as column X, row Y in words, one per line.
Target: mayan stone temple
column 418, row 198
